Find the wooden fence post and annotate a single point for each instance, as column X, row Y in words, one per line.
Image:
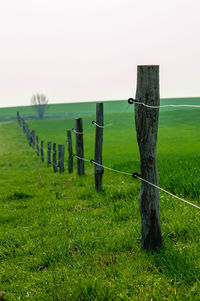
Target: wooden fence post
column 146, row 120
column 79, row 146
column 42, row 150
column 37, row 146
column 61, row 156
column 18, row 118
column 48, row 152
column 98, row 170
column 70, row 152
column 54, row 158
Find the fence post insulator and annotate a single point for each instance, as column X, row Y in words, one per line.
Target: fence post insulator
column 135, row 175
column 131, row 100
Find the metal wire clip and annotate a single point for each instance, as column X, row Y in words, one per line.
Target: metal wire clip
column 131, row 100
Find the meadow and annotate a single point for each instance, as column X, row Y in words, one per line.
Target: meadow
column 61, row 240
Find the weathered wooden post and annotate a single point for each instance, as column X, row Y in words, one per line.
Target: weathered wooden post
column 61, row 156
column 29, row 137
column 70, row 152
column 146, row 120
column 98, row 170
column 54, row 158
column 42, row 150
column 79, row 146
column 18, row 118
column 37, row 146
column 48, row 152
column 33, row 139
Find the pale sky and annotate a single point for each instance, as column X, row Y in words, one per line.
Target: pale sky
column 88, row 50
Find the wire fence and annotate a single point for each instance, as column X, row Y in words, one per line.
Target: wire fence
column 137, row 102
column 102, row 126
column 135, row 175
column 139, row 177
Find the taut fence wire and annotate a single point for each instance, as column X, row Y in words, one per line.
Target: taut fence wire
column 137, row 102
column 139, row 177
column 135, row 175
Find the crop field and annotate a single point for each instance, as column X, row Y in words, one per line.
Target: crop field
column 61, row 240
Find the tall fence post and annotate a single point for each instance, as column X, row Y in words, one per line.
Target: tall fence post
column 61, row 156
column 54, row 158
column 48, row 152
column 37, row 146
column 146, row 120
column 70, row 151
column 79, row 146
column 42, row 150
column 98, row 170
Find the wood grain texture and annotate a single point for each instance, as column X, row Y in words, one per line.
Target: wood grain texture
column 146, row 120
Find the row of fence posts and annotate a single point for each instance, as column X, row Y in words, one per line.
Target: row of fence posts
column 146, row 104
column 33, row 141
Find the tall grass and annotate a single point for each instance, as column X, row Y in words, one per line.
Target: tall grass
column 61, row 240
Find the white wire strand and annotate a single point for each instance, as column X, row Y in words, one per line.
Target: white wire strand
column 173, row 195
column 81, row 133
column 164, row 106
column 129, row 174
column 102, row 126
column 109, row 168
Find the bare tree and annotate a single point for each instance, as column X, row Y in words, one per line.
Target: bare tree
column 40, row 104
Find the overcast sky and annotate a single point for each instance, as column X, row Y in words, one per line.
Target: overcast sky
column 78, row 50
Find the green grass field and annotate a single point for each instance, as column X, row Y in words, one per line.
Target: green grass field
column 61, row 240
column 85, row 109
